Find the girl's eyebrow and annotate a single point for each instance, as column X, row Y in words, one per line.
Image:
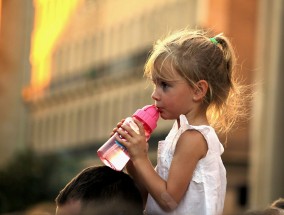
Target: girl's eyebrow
column 156, row 80
column 160, row 80
column 166, row 80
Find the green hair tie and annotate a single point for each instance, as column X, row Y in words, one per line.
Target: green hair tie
column 213, row 40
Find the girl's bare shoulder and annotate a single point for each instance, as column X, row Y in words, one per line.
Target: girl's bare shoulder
column 192, row 142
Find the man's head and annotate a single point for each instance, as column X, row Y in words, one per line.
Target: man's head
column 99, row 190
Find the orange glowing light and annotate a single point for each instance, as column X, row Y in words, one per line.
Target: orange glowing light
column 49, row 21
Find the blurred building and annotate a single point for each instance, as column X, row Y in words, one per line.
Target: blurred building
column 96, row 75
column 90, row 76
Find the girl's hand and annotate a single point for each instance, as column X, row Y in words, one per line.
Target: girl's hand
column 117, row 127
column 136, row 144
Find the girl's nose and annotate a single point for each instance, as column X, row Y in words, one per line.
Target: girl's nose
column 155, row 95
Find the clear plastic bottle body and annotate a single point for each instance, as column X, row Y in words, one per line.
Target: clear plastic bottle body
column 115, row 155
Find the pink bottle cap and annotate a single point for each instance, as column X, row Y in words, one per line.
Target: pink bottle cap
column 149, row 115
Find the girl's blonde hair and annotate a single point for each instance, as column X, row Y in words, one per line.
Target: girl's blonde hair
column 195, row 56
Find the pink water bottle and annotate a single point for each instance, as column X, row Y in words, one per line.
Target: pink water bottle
column 115, row 155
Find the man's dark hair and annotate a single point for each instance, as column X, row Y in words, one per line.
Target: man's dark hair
column 104, row 187
column 279, row 203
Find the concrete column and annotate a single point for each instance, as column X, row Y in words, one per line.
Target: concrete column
column 267, row 137
column 16, row 26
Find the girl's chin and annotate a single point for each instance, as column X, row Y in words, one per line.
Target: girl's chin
column 169, row 116
column 165, row 117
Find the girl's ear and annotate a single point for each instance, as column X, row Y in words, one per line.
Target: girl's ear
column 200, row 90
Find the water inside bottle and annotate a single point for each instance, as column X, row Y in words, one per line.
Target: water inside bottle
column 116, row 156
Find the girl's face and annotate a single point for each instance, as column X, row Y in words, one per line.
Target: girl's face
column 173, row 96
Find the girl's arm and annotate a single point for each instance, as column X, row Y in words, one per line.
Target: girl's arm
column 191, row 147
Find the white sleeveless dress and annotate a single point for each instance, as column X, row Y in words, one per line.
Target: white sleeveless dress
column 206, row 192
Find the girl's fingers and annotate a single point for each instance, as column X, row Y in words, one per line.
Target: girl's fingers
column 140, row 126
column 123, row 137
column 123, row 134
column 128, row 130
column 114, row 130
column 120, row 123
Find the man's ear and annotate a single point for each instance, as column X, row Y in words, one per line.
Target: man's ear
column 200, row 90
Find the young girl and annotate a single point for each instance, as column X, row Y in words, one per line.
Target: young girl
column 194, row 85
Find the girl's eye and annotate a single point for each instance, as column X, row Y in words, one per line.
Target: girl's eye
column 164, row 85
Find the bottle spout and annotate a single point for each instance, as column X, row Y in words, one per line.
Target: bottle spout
column 149, row 114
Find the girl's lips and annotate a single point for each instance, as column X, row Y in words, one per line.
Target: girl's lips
column 159, row 109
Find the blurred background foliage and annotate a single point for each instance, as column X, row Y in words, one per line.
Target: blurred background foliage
column 30, row 178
